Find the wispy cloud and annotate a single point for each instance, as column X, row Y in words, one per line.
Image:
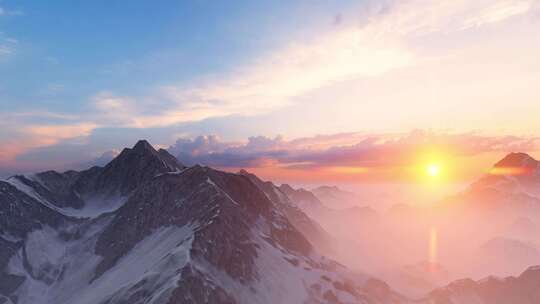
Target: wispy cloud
column 23, row 131
column 7, row 44
column 273, row 80
column 10, row 12
column 38, row 114
column 499, row 11
column 419, row 17
column 51, row 134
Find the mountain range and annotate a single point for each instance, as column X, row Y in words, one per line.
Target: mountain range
column 145, row 228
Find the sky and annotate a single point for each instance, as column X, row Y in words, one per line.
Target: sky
column 349, row 90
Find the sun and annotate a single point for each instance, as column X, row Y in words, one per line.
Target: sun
column 433, row 170
column 433, row 167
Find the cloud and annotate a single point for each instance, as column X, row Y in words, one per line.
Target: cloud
column 357, row 156
column 51, row 134
column 67, row 155
column 420, row 17
column 39, row 114
column 346, row 53
column 7, row 44
column 273, row 80
column 6, row 12
column 21, row 133
column 351, row 150
column 499, row 11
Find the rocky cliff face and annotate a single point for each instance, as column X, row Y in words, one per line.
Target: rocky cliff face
column 316, row 235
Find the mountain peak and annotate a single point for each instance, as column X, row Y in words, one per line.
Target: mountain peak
column 143, row 145
column 143, row 154
column 517, row 160
column 243, row 172
column 131, row 168
column 286, row 188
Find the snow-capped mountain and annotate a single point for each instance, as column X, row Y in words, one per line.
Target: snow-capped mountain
column 146, row 229
column 516, row 174
column 507, row 203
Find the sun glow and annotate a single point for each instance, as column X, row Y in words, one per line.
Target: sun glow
column 433, row 170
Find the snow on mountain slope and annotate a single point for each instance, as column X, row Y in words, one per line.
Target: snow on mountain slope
column 93, row 207
column 181, row 235
column 61, row 270
column 97, row 190
column 152, row 265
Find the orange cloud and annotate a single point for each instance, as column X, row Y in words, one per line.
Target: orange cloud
column 51, row 134
column 34, row 136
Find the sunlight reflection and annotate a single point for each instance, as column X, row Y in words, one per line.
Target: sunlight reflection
column 433, row 246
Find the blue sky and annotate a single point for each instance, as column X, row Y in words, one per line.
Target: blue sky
column 78, row 79
column 66, row 51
